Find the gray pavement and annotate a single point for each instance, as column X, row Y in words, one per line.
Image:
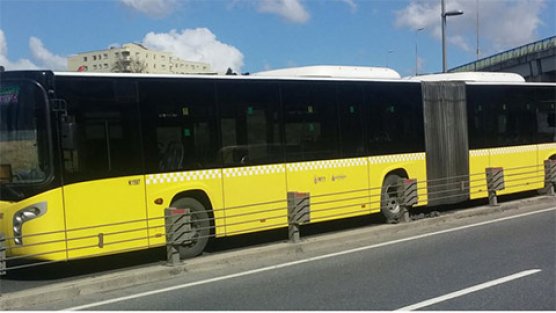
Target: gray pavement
column 384, row 278
column 86, row 289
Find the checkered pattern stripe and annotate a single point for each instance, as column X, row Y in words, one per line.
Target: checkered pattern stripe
column 183, row 177
column 479, row 153
column 397, row 158
column 507, row 150
column 318, row 165
column 254, row 170
column 548, row 146
column 277, row 169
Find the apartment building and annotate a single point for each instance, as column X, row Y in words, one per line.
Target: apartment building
column 132, row 57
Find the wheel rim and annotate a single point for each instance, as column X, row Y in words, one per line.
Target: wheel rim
column 392, row 204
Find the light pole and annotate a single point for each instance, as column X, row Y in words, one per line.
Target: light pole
column 478, row 51
column 444, row 14
column 417, row 51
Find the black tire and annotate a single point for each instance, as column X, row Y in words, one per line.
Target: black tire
column 200, row 226
column 390, row 201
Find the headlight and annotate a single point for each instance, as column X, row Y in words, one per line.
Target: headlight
column 25, row 215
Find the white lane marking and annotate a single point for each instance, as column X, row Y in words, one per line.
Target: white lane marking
column 288, row 264
column 469, row 290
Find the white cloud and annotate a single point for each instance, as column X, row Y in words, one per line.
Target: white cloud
column 515, row 26
column 42, row 57
column 46, row 58
column 291, row 10
column 152, row 8
column 199, row 45
column 20, row 64
column 503, row 24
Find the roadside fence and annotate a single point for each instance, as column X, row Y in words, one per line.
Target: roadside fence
column 180, row 228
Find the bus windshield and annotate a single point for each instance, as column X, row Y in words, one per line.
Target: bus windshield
column 23, row 144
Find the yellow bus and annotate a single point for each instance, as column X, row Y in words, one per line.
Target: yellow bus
column 89, row 162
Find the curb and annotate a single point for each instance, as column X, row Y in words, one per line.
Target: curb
column 311, row 244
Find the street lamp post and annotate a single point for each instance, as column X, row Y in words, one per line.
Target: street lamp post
column 444, row 14
column 417, row 51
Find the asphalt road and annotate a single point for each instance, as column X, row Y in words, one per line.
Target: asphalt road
column 478, row 264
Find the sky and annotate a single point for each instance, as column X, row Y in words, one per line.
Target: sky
column 258, row 35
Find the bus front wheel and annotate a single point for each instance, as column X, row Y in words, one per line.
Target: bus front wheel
column 200, row 227
column 390, row 202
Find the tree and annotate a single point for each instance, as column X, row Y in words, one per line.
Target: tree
column 129, row 66
column 230, row 72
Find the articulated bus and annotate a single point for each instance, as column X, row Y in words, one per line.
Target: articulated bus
column 83, row 154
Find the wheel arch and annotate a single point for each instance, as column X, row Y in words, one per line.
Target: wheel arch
column 203, row 198
column 400, row 172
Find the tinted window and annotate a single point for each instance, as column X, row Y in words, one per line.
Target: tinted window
column 310, row 121
column 395, row 118
column 509, row 115
column 108, row 141
column 481, row 133
column 351, row 118
column 249, row 121
column 546, row 114
column 181, row 130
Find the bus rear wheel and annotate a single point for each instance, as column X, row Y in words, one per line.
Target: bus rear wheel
column 390, row 202
column 200, row 227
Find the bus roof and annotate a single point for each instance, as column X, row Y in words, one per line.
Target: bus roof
column 317, row 73
column 333, row 71
column 472, row 77
column 324, row 73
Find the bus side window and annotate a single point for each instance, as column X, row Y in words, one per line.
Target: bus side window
column 517, row 123
column 351, row 119
column 106, row 128
column 249, row 123
column 310, row 121
column 545, row 114
column 395, row 116
column 179, row 124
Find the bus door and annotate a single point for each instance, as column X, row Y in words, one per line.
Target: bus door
column 104, row 190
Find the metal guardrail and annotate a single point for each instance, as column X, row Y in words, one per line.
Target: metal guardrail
column 300, row 208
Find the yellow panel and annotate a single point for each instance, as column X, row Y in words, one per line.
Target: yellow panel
column 167, row 185
column 106, row 216
column 413, row 163
column 43, row 237
column 479, row 160
column 522, row 170
column 338, row 188
column 255, row 198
